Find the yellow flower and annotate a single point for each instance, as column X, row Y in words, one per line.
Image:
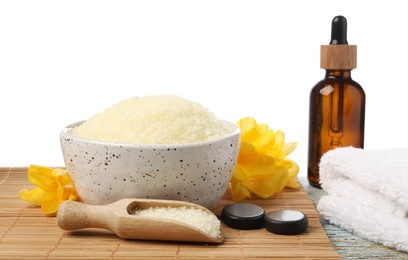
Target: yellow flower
column 53, row 187
column 262, row 168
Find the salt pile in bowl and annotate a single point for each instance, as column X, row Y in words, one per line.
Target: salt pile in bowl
column 163, row 119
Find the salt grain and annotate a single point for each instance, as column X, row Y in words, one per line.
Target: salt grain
column 164, row 119
column 207, row 223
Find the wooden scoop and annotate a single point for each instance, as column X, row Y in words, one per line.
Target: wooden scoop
column 118, row 217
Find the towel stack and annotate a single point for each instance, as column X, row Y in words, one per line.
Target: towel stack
column 367, row 193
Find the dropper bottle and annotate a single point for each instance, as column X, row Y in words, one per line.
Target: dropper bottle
column 337, row 103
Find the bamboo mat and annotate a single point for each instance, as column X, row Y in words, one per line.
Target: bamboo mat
column 26, row 233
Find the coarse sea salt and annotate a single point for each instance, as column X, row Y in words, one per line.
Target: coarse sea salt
column 208, row 223
column 162, row 119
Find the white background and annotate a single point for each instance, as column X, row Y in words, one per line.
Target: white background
column 63, row 61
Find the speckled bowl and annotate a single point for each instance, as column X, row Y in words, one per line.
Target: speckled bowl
column 105, row 172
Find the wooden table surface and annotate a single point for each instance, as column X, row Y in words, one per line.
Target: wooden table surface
column 348, row 245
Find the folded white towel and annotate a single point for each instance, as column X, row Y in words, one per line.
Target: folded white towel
column 367, row 193
column 366, row 222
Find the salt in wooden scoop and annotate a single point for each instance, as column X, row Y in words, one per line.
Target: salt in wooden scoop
column 120, row 218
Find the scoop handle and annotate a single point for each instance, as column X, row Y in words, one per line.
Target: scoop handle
column 74, row 215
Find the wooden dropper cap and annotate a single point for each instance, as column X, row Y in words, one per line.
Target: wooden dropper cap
column 338, row 55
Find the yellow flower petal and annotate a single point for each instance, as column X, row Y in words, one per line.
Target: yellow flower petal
column 258, row 165
column 240, row 175
column 239, row 192
column 41, row 177
column 292, row 184
column 276, row 183
column 261, row 129
column 262, row 167
column 288, row 148
column 293, row 172
column 41, row 198
column 50, row 207
column 53, row 187
column 246, row 149
column 279, row 139
column 247, row 126
column 286, row 163
column 275, row 153
column 265, row 141
column 35, row 196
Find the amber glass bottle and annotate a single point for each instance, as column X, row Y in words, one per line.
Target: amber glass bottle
column 337, row 103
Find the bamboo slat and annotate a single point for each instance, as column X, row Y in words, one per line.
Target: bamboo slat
column 26, row 233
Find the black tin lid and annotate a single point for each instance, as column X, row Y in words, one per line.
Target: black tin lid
column 286, row 222
column 243, row 215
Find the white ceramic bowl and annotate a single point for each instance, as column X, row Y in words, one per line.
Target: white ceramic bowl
column 105, row 172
